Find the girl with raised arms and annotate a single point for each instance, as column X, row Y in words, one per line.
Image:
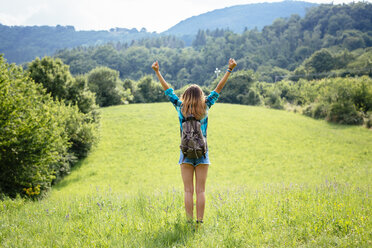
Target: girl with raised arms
column 193, row 102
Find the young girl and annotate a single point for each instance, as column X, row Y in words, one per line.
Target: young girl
column 194, row 102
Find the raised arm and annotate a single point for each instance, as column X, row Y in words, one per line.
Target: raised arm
column 155, row 66
column 222, row 83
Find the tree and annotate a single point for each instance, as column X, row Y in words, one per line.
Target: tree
column 320, row 61
column 150, row 91
column 33, row 137
column 200, row 39
column 237, row 86
column 56, row 78
column 105, row 83
column 53, row 74
column 80, row 95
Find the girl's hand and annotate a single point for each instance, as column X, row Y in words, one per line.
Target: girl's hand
column 155, row 66
column 232, row 63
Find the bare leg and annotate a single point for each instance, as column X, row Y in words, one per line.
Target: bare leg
column 187, row 172
column 201, row 172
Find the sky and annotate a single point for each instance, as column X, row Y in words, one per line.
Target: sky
column 155, row 15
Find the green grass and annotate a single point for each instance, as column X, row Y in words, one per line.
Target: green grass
column 277, row 179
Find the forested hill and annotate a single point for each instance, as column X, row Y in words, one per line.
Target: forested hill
column 23, row 43
column 330, row 37
column 238, row 18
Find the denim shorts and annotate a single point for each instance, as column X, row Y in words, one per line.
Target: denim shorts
column 194, row 161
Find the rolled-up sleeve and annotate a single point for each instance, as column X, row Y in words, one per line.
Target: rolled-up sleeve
column 173, row 98
column 212, row 98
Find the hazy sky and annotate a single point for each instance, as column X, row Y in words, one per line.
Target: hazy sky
column 156, row 15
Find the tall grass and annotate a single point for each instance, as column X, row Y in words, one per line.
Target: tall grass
column 277, row 179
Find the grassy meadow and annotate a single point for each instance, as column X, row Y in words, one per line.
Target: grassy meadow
column 277, row 179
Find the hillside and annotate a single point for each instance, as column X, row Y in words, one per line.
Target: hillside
column 277, row 179
column 23, row 43
column 287, row 47
column 237, row 18
column 264, row 146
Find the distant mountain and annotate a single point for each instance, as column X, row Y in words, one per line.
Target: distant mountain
column 239, row 17
column 23, row 43
column 20, row 44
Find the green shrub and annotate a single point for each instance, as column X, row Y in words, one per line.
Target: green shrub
column 80, row 95
column 107, row 86
column 129, row 86
column 344, row 113
column 40, row 138
column 320, row 61
column 308, row 110
column 320, row 111
column 273, row 99
column 316, row 110
column 53, row 74
column 82, row 134
column 368, row 121
column 239, row 83
column 340, row 100
column 362, row 93
column 251, row 98
column 81, row 131
column 149, row 91
column 56, row 78
column 33, row 140
column 81, row 119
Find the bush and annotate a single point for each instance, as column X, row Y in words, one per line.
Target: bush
column 53, row 74
column 40, row 138
column 273, row 99
column 344, row 113
column 316, row 110
column 129, row 86
column 320, row 61
column 340, row 100
column 57, row 80
column 239, row 83
column 105, row 83
column 33, row 140
column 149, row 91
column 81, row 118
column 252, row 98
column 82, row 132
column 80, row 95
column 320, row 111
column 368, row 121
column 308, row 110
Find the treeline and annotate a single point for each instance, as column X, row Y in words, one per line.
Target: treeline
column 20, row 44
column 48, row 122
column 295, row 46
column 338, row 100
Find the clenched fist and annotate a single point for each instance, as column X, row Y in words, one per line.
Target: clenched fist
column 232, row 63
column 155, row 66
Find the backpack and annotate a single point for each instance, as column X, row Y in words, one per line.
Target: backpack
column 193, row 143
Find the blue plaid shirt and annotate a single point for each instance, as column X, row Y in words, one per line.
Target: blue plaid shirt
column 177, row 103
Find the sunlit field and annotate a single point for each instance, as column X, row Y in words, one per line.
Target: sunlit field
column 277, row 179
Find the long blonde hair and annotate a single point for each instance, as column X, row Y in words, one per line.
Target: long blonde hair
column 193, row 102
